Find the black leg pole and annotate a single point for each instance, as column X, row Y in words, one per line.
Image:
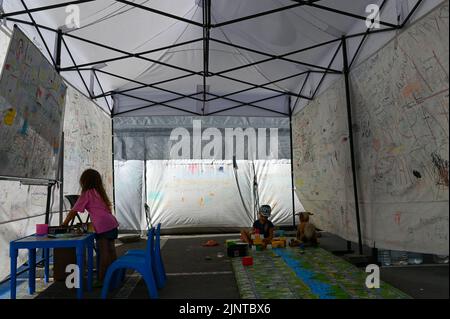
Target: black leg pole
column 47, row 206
column 58, row 48
column 61, row 181
column 112, row 159
column 292, row 167
column 350, row 138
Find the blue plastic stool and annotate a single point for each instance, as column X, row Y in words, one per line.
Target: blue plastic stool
column 158, row 265
column 143, row 265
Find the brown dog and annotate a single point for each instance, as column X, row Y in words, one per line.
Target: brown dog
column 306, row 231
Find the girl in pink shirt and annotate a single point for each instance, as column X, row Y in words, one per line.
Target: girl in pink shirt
column 94, row 199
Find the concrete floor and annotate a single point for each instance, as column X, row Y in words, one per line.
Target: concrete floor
column 197, row 272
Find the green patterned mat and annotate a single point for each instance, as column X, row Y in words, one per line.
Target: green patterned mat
column 285, row 273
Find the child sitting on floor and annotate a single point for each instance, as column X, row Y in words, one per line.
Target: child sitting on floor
column 263, row 226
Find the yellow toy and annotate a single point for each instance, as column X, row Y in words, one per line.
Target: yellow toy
column 257, row 241
column 279, row 243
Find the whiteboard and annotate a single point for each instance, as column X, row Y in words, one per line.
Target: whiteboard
column 87, row 144
column 32, row 98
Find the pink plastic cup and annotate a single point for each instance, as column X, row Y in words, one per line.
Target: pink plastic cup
column 41, row 229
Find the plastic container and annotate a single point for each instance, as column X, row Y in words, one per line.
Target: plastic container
column 384, row 257
column 440, row 259
column 238, row 250
column 41, row 229
column 399, row 258
column 415, row 258
column 230, row 242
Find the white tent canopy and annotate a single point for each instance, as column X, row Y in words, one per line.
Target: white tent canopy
column 201, row 57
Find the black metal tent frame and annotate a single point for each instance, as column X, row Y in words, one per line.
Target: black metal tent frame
column 204, row 96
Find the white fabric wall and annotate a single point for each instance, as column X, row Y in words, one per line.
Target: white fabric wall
column 201, row 193
column 129, row 189
column 322, row 165
column 372, row 44
column 400, row 120
column 87, row 142
column 400, row 105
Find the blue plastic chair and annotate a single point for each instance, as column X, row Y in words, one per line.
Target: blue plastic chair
column 142, row 264
column 161, row 271
column 158, row 265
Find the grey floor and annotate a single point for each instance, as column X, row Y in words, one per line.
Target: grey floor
column 194, row 272
column 197, row 272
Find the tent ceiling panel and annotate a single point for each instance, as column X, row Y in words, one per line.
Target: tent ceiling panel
column 126, row 102
column 174, row 50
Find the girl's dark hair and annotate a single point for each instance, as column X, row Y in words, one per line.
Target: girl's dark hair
column 91, row 179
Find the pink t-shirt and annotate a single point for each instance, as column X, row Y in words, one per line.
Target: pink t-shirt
column 101, row 217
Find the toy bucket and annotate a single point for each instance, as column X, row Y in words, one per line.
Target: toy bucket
column 41, row 229
column 247, row 261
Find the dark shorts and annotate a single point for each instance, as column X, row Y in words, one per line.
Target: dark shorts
column 110, row 234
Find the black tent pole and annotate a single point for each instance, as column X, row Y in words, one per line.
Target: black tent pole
column 47, row 206
column 350, row 138
column 292, row 164
column 58, row 48
column 112, row 158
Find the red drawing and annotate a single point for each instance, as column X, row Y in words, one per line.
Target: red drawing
column 397, row 217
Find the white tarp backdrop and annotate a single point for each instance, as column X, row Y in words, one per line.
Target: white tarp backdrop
column 183, row 194
column 201, row 192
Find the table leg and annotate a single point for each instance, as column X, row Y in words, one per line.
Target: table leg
column 31, row 271
column 97, row 262
column 13, row 282
column 46, row 264
column 90, row 264
column 80, row 263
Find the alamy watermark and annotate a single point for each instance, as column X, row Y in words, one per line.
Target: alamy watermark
column 373, row 279
column 373, row 19
column 211, row 143
column 73, row 277
column 73, row 17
